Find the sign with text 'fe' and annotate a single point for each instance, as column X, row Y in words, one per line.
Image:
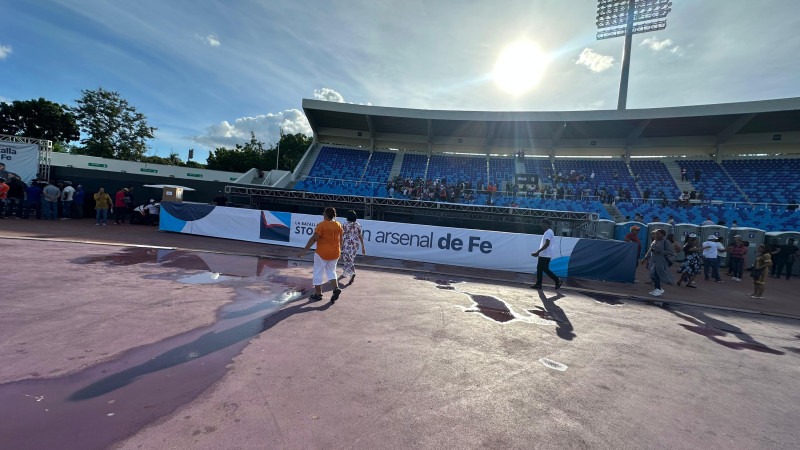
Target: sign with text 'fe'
column 606, row 260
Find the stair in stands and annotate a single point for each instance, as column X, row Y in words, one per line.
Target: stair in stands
column 735, row 184
column 398, row 164
column 614, row 212
column 308, row 163
column 635, row 183
column 675, row 171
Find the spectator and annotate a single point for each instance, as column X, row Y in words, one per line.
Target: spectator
column 711, row 251
column 690, row 267
column 684, row 173
column 51, row 194
column 77, row 202
column 3, row 196
column 120, row 205
column 708, row 221
column 151, row 213
column 760, row 270
column 328, row 237
column 33, row 200
column 102, row 203
column 220, row 199
column 738, row 252
column 785, row 256
column 657, row 260
column 67, row 196
column 16, row 196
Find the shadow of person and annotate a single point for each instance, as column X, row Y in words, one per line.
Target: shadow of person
column 205, row 344
column 564, row 329
column 714, row 329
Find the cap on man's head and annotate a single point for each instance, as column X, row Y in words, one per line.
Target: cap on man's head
column 151, row 200
column 692, row 235
column 711, row 238
column 635, row 228
column 80, row 186
column 738, row 236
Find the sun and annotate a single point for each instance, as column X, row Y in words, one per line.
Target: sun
column 519, row 67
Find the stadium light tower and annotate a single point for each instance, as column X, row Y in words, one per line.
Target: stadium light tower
column 625, row 18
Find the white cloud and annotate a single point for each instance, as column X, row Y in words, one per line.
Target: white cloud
column 328, row 95
column 5, row 50
column 209, row 39
column 595, row 61
column 666, row 44
column 266, row 128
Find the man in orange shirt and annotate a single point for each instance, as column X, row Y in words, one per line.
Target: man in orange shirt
column 328, row 236
column 3, row 195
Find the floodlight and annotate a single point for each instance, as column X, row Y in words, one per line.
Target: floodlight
column 617, row 18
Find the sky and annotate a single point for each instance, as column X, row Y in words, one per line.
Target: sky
column 206, row 73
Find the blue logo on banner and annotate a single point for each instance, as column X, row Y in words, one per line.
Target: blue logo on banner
column 275, row 226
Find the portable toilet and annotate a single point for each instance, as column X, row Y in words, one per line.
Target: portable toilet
column 622, row 229
column 754, row 237
column 718, row 231
column 782, row 238
column 605, row 228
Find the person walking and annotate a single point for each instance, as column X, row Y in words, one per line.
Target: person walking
column 328, row 237
column 711, row 251
column 657, row 261
column 545, row 254
column 784, row 257
column 352, row 238
column 102, row 203
column 760, row 271
column 690, row 267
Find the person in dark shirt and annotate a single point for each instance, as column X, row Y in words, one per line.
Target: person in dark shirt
column 784, row 256
column 220, row 199
column 33, row 200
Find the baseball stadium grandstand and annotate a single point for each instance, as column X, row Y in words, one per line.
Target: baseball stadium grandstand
column 740, row 161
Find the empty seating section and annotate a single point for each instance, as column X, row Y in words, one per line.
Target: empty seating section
column 414, row 165
column 379, row 167
column 714, row 183
column 766, row 180
column 655, row 176
column 457, row 168
column 501, row 171
column 341, row 187
column 339, row 163
column 605, row 172
column 539, row 166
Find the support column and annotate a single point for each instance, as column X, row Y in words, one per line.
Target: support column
column 626, row 60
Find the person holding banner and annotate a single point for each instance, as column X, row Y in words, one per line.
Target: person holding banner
column 545, row 253
column 328, row 237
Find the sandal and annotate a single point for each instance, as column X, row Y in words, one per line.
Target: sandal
column 315, row 297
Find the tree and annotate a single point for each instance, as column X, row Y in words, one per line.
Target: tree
column 253, row 154
column 240, row 159
column 113, row 127
column 39, row 119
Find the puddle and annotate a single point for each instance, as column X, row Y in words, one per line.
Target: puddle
column 109, row 401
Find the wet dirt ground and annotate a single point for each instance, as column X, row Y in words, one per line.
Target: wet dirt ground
column 116, row 346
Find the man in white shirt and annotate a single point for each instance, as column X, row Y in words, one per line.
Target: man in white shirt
column 545, row 253
column 66, row 200
column 711, row 249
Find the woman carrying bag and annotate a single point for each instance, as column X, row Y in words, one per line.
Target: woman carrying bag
column 659, row 258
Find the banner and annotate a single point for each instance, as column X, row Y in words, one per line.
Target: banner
column 20, row 159
column 584, row 258
column 526, row 178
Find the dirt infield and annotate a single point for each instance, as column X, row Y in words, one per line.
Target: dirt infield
column 213, row 347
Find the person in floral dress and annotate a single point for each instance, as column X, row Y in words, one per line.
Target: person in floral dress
column 352, row 238
column 691, row 265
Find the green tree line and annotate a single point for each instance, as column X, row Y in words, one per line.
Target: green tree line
column 113, row 128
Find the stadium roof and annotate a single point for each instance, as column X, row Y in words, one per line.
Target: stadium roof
column 719, row 123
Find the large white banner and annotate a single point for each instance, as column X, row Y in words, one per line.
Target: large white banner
column 20, row 159
column 454, row 246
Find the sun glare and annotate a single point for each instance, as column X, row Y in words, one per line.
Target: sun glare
column 519, row 67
